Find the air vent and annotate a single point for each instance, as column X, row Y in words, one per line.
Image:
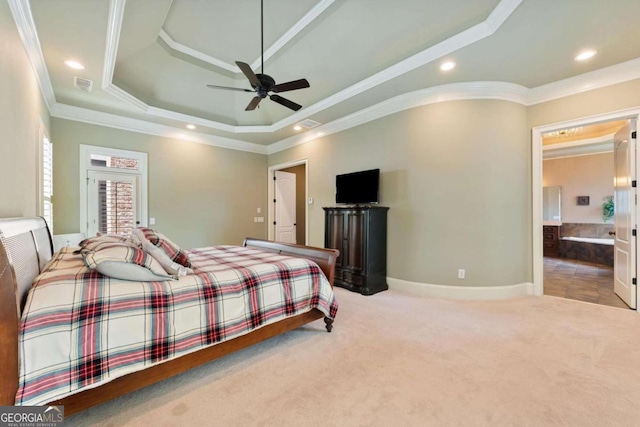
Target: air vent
column 83, row 84
column 308, row 123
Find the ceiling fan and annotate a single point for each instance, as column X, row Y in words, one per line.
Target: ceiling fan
column 263, row 84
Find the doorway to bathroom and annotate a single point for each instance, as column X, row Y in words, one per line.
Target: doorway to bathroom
column 586, row 171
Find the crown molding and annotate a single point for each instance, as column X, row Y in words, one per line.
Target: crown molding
column 614, row 74
column 456, row 42
column 85, row 115
column 580, row 142
column 307, row 19
column 469, row 36
column 581, row 147
column 126, row 97
column 23, row 18
column 186, row 50
column 611, row 75
column 172, row 115
column 605, row 147
column 114, row 27
column 449, row 92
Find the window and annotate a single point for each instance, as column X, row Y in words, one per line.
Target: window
column 114, row 162
column 44, row 206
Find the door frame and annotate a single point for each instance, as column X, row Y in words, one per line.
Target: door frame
column 271, row 173
column 536, row 180
column 85, row 165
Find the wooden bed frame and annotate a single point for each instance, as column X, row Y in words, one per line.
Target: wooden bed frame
column 25, row 248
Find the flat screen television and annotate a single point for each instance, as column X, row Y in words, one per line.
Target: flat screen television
column 358, row 187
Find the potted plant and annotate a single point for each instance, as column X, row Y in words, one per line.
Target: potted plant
column 607, row 208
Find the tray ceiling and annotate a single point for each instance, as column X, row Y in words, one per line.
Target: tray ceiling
column 151, row 60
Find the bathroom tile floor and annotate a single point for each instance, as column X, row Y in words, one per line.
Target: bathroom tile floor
column 579, row 280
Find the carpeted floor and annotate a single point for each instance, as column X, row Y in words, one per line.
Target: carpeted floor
column 398, row 360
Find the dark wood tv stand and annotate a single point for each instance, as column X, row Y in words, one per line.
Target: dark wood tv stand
column 360, row 234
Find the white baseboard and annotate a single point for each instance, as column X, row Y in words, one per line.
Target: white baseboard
column 461, row 292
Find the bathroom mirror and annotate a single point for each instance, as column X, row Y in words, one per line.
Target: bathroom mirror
column 552, row 203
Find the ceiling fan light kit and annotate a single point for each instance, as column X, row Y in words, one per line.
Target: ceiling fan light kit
column 264, row 84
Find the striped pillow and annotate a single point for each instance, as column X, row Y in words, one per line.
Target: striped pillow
column 172, row 250
column 91, row 242
column 123, row 261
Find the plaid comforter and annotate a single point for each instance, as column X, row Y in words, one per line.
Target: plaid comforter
column 81, row 329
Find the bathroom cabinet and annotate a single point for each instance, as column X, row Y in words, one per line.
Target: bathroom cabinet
column 550, row 237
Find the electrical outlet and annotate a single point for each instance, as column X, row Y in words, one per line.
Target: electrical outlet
column 461, row 273
column 260, row 219
column 152, row 221
column 259, row 210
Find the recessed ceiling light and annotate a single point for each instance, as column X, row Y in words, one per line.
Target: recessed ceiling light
column 584, row 55
column 320, row 134
column 297, row 127
column 192, row 127
column 446, row 66
column 74, row 64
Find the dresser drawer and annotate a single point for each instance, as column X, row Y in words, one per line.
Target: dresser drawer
column 354, row 279
column 550, row 229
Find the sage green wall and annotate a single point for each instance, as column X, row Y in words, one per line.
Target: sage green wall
column 599, row 101
column 200, row 195
column 456, row 176
column 21, row 111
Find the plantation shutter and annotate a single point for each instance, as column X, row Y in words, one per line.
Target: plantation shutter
column 47, row 181
column 116, row 206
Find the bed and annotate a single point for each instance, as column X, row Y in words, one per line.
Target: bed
column 26, row 248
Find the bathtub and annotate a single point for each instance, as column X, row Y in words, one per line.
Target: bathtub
column 597, row 251
column 590, row 240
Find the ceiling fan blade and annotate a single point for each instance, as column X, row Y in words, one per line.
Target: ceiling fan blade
column 247, row 71
column 284, row 101
column 292, row 85
column 230, row 88
column 253, row 104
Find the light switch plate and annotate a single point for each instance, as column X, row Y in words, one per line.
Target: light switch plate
column 152, row 221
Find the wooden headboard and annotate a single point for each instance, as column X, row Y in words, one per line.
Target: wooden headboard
column 26, row 247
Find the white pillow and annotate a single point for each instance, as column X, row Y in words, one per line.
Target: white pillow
column 122, row 261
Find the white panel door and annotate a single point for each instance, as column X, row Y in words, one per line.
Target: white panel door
column 285, row 207
column 112, row 200
column 624, row 269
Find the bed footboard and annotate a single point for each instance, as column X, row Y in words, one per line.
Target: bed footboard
column 325, row 258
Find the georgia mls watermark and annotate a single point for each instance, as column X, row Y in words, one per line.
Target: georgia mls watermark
column 31, row 416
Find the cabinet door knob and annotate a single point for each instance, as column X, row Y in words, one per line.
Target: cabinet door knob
column 612, row 233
